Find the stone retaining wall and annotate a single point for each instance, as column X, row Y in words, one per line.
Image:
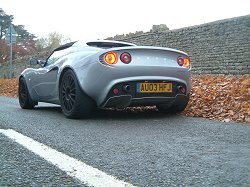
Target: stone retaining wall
column 220, row 47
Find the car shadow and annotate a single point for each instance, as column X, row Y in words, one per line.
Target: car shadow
column 107, row 114
column 56, row 109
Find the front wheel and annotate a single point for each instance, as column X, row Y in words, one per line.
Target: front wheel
column 74, row 103
column 23, row 95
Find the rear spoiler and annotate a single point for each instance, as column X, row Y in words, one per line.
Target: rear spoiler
column 109, row 44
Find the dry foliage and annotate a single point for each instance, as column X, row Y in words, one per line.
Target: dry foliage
column 9, row 87
column 225, row 98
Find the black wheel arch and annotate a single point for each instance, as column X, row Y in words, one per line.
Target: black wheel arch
column 65, row 69
column 30, row 103
column 62, row 73
column 25, row 78
column 74, row 102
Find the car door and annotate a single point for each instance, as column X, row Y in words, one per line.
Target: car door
column 44, row 80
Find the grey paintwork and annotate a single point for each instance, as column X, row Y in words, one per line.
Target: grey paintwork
column 96, row 78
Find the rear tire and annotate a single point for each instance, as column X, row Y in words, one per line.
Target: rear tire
column 178, row 106
column 23, row 95
column 74, row 103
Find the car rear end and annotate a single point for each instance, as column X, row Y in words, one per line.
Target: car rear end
column 136, row 76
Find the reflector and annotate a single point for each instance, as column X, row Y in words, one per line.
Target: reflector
column 183, row 90
column 116, row 91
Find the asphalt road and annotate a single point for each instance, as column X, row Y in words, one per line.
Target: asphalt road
column 144, row 149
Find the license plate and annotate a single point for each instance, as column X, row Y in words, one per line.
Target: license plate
column 154, row 87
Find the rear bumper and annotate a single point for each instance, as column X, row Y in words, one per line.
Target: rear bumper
column 127, row 100
column 126, row 94
column 98, row 82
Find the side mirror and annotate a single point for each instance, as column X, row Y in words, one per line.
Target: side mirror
column 41, row 63
column 33, row 61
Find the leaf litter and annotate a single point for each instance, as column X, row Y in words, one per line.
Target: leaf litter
column 221, row 97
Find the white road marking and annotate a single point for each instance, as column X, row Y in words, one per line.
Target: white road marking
column 73, row 167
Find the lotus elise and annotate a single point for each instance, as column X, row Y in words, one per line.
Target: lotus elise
column 83, row 76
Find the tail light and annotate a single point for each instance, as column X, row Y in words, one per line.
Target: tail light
column 187, row 62
column 111, row 58
column 183, row 61
column 180, row 61
column 125, row 58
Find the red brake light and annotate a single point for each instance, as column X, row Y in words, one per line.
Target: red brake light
column 180, row 61
column 125, row 58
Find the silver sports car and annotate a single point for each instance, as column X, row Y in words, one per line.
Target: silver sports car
column 108, row 74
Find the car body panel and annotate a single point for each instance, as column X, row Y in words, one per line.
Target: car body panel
column 96, row 78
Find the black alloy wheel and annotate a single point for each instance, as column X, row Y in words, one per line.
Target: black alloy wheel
column 68, row 92
column 74, row 102
column 23, row 95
